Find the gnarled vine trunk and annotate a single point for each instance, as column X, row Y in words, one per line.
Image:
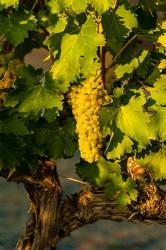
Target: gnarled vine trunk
column 42, row 232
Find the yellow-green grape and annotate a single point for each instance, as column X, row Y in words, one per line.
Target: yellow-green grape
column 86, row 101
column 8, row 75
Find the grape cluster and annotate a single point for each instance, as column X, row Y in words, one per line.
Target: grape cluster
column 8, row 71
column 86, row 101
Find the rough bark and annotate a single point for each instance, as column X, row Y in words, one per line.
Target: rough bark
column 53, row 218
column 42, row 231
column 89, row 206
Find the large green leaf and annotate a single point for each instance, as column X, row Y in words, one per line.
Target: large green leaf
column 155, row 162
column 115, row 31
column 124, row 190
column 59, row 5
column 158, row 122
column 158, row 93
column 107, row 118
column 134, row 122
column 128, row 68
column 75, row 46
column 102, row 6
column 13, row 125
column 128, row 19
column 57, row 140
column 118, row 145
column 98, row 173
column 8, row 3
column 11, row 151
column 105, row 170
column 35, row 98
column 16, row 27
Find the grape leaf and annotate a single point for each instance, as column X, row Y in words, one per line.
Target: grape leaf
column 59, row 5
column 16, row 27
column 13, row 125
column 115, row 31
column 129, row 20
column 73, row 47
column 153, row 76
column 87, row 172
column 158, row 93
column 102, row 6
column 124, row 190
column 133, row 121
column 105, row 170
column 158, row 121
column 8, row 3
column 11, row 151
column 58, row 27
column 155, row 162
column 35, row 98
column 79, row 5
column 162, row 40
column 98, row 173
column 107, row 117
column 128, row 68
column 57, row 140
column 118, row 145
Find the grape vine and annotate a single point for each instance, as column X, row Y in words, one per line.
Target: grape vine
column 114, row 119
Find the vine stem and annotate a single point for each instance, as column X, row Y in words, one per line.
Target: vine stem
column 101, row 51
column 73, row 180
column 34, row 5
column 118, row 54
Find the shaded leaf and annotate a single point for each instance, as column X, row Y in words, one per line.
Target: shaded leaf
column 16, row 27
column 158, row 121
column 13, row 125
column 129, row 20
column 119, row 145
column 155, row 162
column 11, row 151
column 124, row 190
column 128, row 68
column 105, row 170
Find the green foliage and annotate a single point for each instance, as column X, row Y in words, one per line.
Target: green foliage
column 128, row 68
column 127, row 18
column 108, row 174
column 11, row 151
column 35, row 97
column 57, row 140
column 15, row 28
column 75, row 46
column 124, row 190
column 35, row 117
column 158, row 93
column 8, row 3
column 155, row 162
column 118, row 145
column 133, row 121
column 13, row 125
